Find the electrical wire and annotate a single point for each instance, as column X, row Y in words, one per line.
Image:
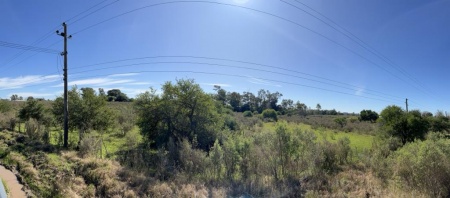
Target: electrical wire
column 218, row 65
column 47, row 35
column 27, row 48
column 241, row 62
column 101, row 8
column 7, row 68
column 232, row 75
column 90, row 8
column 358, row 41
column 254, row 10
column 227, row 66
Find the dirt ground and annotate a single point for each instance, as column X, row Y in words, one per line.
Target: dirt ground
column 15, row 188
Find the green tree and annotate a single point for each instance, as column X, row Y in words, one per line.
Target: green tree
column 368, row 115
column 249, row 102
column 183, row 110
column 301, row 108
column 235, row 100
column 406, row 126
column 440, row 122
column 101, row 92
column 115, row 95
column 87, row 111
column 318, row 107
column 221, row 95
column 32, row 110
column 15, row 97
column 341, row 121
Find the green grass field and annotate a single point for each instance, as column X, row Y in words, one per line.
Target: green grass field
column 358, row 141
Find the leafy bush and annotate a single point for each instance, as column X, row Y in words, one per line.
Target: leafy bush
column 270, row 114
column 341, row 121
column 231, row 123
column 5, row 106
column 424, row 165
column 247, row 114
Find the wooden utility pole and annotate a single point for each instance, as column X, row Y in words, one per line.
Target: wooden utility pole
column 66, row 104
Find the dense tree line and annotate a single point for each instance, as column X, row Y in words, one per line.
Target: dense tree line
column 264, row 99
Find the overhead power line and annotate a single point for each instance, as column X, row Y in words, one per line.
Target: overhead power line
column 248, row 63
column 97, row 10
column 90, row 8
column 27, row 48
column 291, row 73
column 246, row 77
column 254, row 10
column 229, row 66
column 24, row 59
column 358, row 41
column 46, row 36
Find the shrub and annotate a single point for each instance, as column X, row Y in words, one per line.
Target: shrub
column 32, row 129
column 247, row 114
column 341, row 121
column 89, row 145
column 126, row 120
column 5, row 106
column 230, row 123
column 425, row 166
column 270, row 114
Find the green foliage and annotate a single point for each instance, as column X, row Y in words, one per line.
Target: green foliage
column 270, row 114
column 424, row 166
column 234, row 99
column 341, row 121
column 231, row 123
column 406, row 126
column 15, row 97
column 183, row 110
column 216, row 155
column 87, row 111
column 5, row 106
column 247, row 114
column 440, row 123
column 193, row 161
column 368, row 115
column 115, row 95
column 126, row 120
column 221, row 95
column 32, row 110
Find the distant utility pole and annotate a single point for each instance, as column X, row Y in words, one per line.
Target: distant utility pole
column 406, row 105
column 66, row 104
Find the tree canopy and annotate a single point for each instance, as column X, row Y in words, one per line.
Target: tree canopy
column 115, row 95
column 87, row 111
column 182, row 111
column 368, row 115
column 407, row 126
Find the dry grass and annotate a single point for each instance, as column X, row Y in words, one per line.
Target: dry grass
column 353, row 182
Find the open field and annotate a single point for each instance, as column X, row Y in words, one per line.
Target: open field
column 357, row 141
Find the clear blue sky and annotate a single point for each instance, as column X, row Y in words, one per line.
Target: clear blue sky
column 387, row 51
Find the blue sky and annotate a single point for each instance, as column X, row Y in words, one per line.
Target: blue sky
column 348, row 55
